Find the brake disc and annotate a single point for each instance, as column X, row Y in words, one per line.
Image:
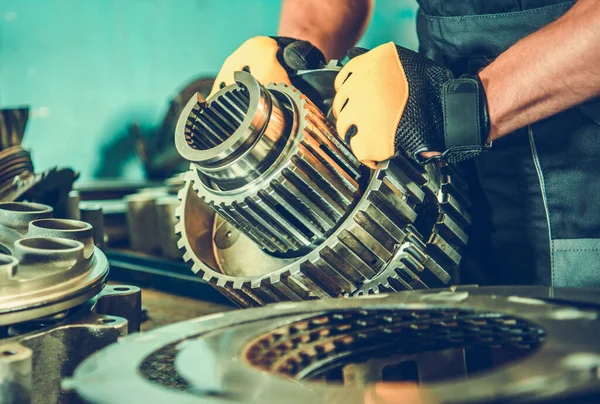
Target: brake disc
column 471, row 345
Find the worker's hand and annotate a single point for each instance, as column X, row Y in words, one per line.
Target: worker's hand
column 389, row 100
column 269, row 60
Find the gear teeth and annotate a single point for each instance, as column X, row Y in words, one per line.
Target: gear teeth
column 419, row 262
column 403, row 230
column 380, row 251
column 318, row 166
column 281, row 289
column 235, row 295
column 211, row 124
column 187, row 256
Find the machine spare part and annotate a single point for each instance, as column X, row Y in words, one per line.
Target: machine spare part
column 50, row 187
column 270, row 163
column 18, row 180
column 142, row 222
column 317, row 84
column 165, row 223
column 297, row 216
column 468, row 345
column 94, row 215
column 54, row 265
column 150, row 222
column 137, row 216
column 13, row 122
column 14, row 163
column 55, row 309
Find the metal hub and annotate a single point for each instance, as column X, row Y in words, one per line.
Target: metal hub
column 53, row 265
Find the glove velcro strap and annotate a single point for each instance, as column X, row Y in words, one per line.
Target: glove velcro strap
column 466, row 122
column 461, row 153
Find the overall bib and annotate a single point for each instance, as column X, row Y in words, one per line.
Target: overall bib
column 535, row 193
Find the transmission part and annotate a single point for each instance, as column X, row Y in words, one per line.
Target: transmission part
column 277, row 208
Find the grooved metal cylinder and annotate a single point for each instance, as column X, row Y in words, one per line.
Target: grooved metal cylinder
column 305, row 221
column 270, row 163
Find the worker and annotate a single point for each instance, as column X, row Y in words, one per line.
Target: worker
column 510, row 86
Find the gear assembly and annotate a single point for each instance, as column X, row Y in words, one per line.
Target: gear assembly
column 286, row 191
column 319, row 222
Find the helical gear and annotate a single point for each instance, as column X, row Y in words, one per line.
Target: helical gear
column 309, row 186
column 400, row 227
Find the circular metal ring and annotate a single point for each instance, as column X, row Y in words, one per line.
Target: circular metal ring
column 292, row 349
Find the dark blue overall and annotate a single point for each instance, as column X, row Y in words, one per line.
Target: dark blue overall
column 536, row 194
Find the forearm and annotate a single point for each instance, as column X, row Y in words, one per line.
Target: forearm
column 333, row 26
column 548, row 72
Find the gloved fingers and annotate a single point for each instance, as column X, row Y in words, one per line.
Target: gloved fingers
column 346, row 128
column 339, row 103
column 302, row 55
column 350, row 132
column 341, row 78
column 369, row 163
column 342, row 97
column 346, row 72
column 358, row 58
column 369, row 134
column 257, row 56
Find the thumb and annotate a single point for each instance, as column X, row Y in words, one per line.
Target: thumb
column 356, row 51
column 302, row 55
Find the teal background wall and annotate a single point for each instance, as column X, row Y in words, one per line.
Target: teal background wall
column 90, row 68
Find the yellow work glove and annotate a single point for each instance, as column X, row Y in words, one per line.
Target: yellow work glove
column 390, row 100
column 269, row 60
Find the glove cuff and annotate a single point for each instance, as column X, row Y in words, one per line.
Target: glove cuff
column 295, row 54
column 466, row 119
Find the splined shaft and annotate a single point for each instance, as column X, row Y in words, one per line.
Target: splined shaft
column 270, row 163
column 209, row 127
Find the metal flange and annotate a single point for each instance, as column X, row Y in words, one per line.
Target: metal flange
column 54, row 265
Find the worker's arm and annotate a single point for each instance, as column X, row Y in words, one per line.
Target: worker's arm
column 333, row 26
column 547, row 72
column 391, row 100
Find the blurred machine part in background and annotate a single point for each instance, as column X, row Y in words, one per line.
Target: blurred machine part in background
column 55, row 308
column 18, row 180
column 137, row 216
column 460, row 345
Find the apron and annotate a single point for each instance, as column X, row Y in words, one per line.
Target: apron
column 535, row 193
